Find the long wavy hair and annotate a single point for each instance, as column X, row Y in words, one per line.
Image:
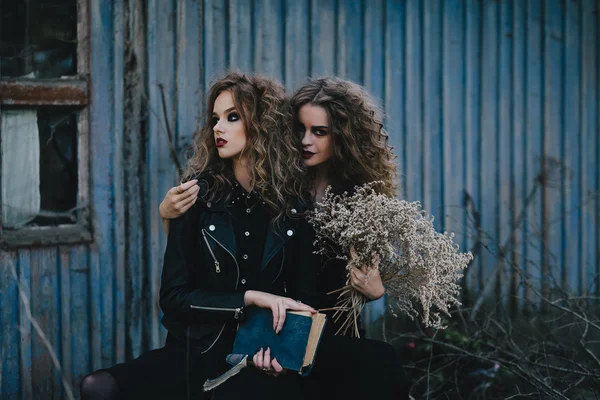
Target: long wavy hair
column 360, row 148
column 272, row 149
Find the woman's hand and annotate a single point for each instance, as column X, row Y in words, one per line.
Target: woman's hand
column 179, row 199
column 367, row 280
column 262, row 360
column 278, row 305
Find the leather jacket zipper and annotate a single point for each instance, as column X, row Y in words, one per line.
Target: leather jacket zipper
column 217, row 266
column 224, row 248
column 237, row 311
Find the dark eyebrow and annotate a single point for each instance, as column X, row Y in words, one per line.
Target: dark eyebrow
column 226, row 111
column 320, row 127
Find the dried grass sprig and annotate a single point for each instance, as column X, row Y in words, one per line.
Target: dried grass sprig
column 416, row 263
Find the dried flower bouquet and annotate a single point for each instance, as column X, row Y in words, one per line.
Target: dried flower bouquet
column 416, row 263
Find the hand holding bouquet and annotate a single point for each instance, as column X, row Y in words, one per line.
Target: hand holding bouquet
column 416, row 263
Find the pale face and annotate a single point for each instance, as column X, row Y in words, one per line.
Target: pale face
column 316, row 141
column 228, row 128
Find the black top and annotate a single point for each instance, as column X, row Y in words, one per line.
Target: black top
column 250, row 222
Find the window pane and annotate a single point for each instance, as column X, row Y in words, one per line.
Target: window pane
column 45, row 138
column 38, row 38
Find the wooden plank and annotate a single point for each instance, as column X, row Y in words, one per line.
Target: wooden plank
column 590, row 126
column 534, row 144
column 120, row 22
column 45, row 235
column 395, row 84
column 413, row 105
column 572, row 139
column 25, row 346
column 454, row 136
column 374, row 50
column 518, row 140
column 433, row 161
column 503, row 169
column 297, row 47
column 323, row 21
column 474, row 275
column 10, row 373
column 78, row 305
column 102, row 121
column 38, row 92
column 95, row 311
column 350, row 40
column 553, row 221
column 489, row 206
column 269, row 34
column 44, row 309
column 67, row 333
column 189, row 85
column 155, row 131
column 241, row 41
column 165, row 72
column 134, row 181
column 215, row 39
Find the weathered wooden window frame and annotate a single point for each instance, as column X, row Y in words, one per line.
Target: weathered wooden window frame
column 74, row 92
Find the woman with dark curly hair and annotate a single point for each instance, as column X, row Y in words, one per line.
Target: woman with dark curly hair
column 234, row 248
column 344, row 144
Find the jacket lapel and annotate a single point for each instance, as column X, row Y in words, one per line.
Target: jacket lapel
column 274, row 241
column 221, row 228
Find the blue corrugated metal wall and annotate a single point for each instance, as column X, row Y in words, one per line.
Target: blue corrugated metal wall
column 481, row 98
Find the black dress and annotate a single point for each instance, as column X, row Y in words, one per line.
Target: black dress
column 348, row 367
column 215, row 252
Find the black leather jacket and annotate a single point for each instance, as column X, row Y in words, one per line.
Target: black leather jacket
column 200, row 293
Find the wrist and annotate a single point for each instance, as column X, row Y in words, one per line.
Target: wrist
column 249, row 298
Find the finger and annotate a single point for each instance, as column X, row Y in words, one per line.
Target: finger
column 359, row 272
column 276, row 366
column 186, row 185
column 297, row 306
column 267, row 359
column 187, row 195
column 355, row 281
column 258, row 362
column 353, row 253
column 275, row 310
column 184, row 205
column 281, row 321
column 255, row 360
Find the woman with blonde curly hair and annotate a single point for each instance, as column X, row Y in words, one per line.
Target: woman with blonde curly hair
column 235, row 247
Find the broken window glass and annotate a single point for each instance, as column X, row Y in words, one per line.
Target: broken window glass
column 38, row 38
column 39, row 167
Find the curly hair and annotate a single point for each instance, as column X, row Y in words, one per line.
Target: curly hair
column 361, row 153
column 271, row 148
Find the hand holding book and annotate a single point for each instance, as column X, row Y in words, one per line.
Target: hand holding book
column 262, row 361
column 277, row 304
column 294, row 348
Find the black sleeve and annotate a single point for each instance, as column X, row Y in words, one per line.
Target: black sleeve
column 304, row 266
column 179, row 298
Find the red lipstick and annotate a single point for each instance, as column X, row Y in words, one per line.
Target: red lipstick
column 221, row 142
column 307, row 154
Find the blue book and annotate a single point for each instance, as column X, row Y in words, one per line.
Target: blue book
column 295, row 347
